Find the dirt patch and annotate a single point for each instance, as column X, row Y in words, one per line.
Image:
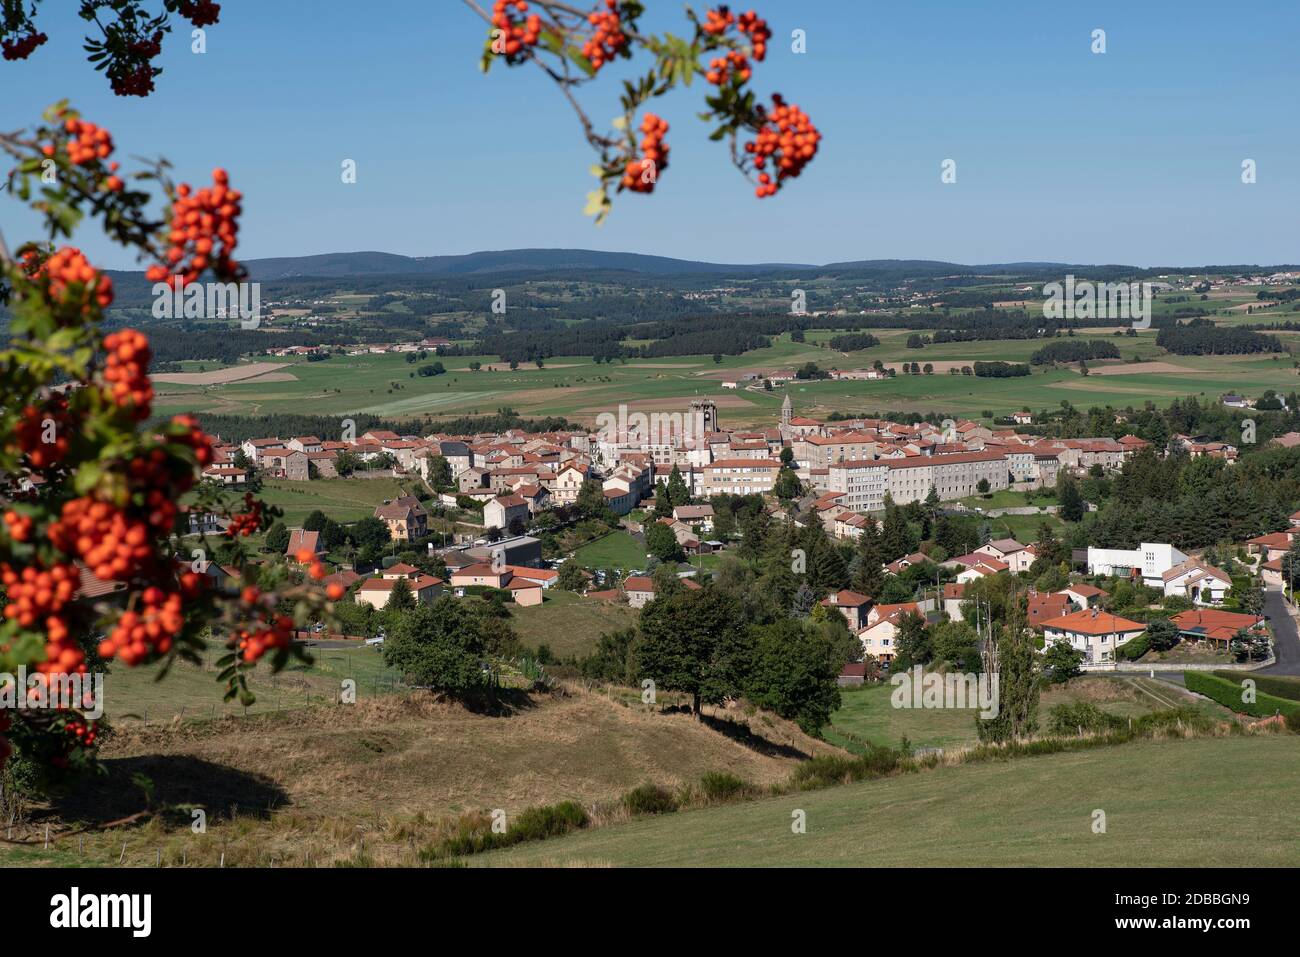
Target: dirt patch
column 1138, row 368
column 272, row 377
column 681, row 404
column 221, row 376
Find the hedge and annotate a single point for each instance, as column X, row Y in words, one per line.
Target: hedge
column 1228, row 694
column 1279, row 686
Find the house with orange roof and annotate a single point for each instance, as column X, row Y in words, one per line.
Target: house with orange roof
column 1098, row 634
column 503, row 510
column 300, row 539
column 481, row 574
column 853, row 605
column 953, row 596
column 879, row 636
column 1083, row 595
column 1212, row 624
column 1046, row 607
column 376, row 592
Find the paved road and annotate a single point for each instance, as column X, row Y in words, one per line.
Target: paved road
column 1286, row 641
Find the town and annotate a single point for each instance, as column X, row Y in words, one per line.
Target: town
column 841, row 477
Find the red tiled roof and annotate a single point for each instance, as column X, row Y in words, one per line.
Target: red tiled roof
column 1087, row 623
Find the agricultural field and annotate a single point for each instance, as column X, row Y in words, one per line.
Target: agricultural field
column 1030, row 812
column 579, row 389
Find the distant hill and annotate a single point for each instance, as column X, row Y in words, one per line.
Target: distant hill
column 522, row 262
column 337, row 265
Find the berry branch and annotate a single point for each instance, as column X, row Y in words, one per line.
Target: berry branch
column 89, row 487
column 572, row 46
column 127, row 44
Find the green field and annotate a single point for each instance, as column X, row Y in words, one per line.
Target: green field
column 578, row 388
column 344, row 499
column 616, row 550
column 866, row 714
column 569, row 624
column 1172, row 803
column 192, row 692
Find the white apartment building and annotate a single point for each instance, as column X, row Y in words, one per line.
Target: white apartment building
column 1150, row 560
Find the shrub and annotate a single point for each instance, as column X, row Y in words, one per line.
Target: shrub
column 551, row 820
column 719, row 786
column 1229, row 694
column 474, row 833
column 1134, row 649
column 650, row 799
column 1067, row 719
column 1280, row 686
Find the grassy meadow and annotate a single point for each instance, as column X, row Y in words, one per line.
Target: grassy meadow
column 1171, row 803
column 580, row 389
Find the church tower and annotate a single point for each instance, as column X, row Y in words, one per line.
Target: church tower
column 787, row 410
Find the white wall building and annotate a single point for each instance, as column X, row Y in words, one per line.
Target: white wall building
column 1150, row 560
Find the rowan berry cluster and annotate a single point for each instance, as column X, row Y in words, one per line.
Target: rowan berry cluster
column 42, row 433
column 723, row 69
column 83, row 732
column 135, row 80
column 195, row 438
column 788, row 140
column 247, row 522
column 75, row 285
column 19, row 526
column 86, row 142
column 641, row 173
column 719, row 20
column 127, row 371
column 514, row 35
column 36, row 593
column 201, row 13
column 268, row 631
column 607, row 39
column 315, row 569
column 20, row 48
column 141, row 634
column 756, row 28
column 114, row 545
column 204, row 233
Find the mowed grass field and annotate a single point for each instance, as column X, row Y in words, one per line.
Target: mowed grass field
column 867, row 714
column 616, row 550
column 569, row 624
column 1175, row 803
column 191, row 692
column 344, row 499
column 579, row 389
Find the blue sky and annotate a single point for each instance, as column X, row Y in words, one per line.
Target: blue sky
column 1133, row 156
